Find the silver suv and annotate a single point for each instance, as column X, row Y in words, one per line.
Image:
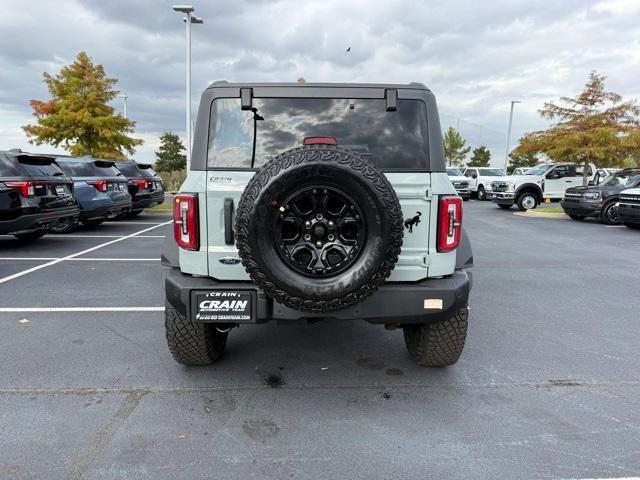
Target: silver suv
column 310, row 201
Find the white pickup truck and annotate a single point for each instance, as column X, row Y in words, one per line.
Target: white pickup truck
column 546, row 181
column 480, row 179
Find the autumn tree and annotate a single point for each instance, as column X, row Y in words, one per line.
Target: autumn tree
column 455, row 150
column 78, row 115
column 525, row 160
column 595, row 126
column 480, row 157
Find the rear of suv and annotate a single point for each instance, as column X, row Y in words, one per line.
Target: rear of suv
column 100, row 188
column 35, row 195
column 315, row 201
column 145, row 186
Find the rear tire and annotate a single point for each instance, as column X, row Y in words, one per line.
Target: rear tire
column 437, row 344
column 609, row 214
column 30, row 235
column 578, row 218
column 192, row 343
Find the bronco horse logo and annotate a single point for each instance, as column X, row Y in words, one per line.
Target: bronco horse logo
column 409, row 223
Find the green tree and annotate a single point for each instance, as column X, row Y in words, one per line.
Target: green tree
column 594, row 126
column 525, row 160
column 169, row 156
column 481, row 157
column 78, row 116
column 454, row 147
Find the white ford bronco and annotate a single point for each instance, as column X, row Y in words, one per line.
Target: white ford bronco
column 317, row 201
column 546, row 181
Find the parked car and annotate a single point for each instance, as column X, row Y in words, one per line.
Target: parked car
column 100, row 188
column 546, row 181
column 322, row 216
column 600, row 200
column 629, row 208
column 520, row 171
column 145, row 186
column 460, row 182
column 480, row 179
column 35, row 195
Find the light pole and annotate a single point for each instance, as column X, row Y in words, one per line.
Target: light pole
column 124, row 96
column 188, row 19
column 506, row 151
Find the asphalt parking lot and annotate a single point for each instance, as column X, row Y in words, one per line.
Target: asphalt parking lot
column 548, row 385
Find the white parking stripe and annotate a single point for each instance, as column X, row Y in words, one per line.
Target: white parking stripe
column 78, row 309
column 74, row 255
column 93, row 259
column 60, row 235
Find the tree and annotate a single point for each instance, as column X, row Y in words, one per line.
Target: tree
column 454, row 147
column 481, row 157
column 78, row 115
column 525, row 160
column 595, row 126
column 169, row 157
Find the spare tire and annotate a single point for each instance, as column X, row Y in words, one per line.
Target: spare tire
column 319, row 228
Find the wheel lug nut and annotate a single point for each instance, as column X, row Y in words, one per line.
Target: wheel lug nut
column 331, row 237
column 318, row 244
column 324, row 192
column 307, row 237
column 307, row 224
column 331, row 224
column 319, row 216
column 314, row 191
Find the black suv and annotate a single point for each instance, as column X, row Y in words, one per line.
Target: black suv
column 35, row 195
column 145, row 186
column 600, row 200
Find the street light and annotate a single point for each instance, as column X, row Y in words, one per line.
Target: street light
column 124, row 96
column 506, row 151
column 188, row 19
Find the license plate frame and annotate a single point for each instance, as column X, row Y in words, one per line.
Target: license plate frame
column 223, row 306
column 60, row 190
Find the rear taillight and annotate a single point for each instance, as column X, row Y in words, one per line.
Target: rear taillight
column 100, row 185
column 320, row 141
column 26, row 189
column 449, row 223
column 185, row 221
column 141, row 183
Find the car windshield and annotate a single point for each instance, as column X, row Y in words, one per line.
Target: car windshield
column 622, row 179
column 491, row 172
column 454, row 172
column 539, row 170
column 392, row 139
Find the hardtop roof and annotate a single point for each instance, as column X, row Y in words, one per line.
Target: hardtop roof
column 408, row 86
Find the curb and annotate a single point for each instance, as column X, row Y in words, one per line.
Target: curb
column 533, row 214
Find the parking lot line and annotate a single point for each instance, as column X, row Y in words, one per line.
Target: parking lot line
column 35, row 259
column 74, row 255
column 57, row 236
column 78, row 309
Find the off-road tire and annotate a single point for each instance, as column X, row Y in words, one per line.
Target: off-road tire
column 608, row 215
column 437, row 344
column 192, row 343
column 30, row 235
column 306, row 165
column 506, row 207
column 521, row 201
column 578, row 218
column 482, row 195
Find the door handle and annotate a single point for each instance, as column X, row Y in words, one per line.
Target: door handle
column 228, row 221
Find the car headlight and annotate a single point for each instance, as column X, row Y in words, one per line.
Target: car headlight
column 511, row 186
column 592, row 195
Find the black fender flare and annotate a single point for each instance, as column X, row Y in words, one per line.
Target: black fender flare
column 464, row 254
column 170, row 256
column 529, row 186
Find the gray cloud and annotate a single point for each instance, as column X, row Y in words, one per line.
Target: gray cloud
column 476, row 56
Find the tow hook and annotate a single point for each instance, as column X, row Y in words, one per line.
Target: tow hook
column 227, row 329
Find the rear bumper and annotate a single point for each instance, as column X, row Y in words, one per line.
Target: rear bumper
column 584, row 208
column 39, row 221
column 146, row 202
column 393, row 303
column 629, row 213
column 110, row 210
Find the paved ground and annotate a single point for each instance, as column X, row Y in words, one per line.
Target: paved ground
column 548, row 385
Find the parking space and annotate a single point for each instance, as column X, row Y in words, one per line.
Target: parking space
column 547, row 386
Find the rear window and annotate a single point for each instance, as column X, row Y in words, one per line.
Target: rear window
column 77, row 169
column 146, row 171
column 106, row 169
column 39, row 166
column 394, row 140
column 128, row 169
column 7, row 168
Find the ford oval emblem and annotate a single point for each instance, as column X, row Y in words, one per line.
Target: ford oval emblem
column 229, row 260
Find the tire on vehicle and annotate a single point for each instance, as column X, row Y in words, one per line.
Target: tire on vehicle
column 527, row 200
column 319, row 228
column 482, row 195
column 438, row 344
column 609, row 214
column 192, row 343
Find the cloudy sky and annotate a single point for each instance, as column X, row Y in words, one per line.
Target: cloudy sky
column 476, row 56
